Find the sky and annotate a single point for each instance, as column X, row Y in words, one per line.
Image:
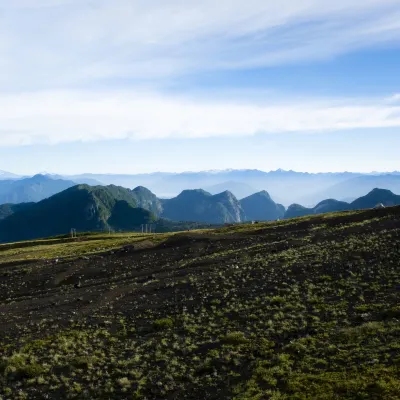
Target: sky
column 133, row 86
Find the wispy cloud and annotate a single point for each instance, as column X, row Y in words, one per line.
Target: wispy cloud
column 55, row 117
column 395, row 98
column 58, row 43
column 51, row 52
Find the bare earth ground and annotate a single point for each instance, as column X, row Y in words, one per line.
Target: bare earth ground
column 303, row 309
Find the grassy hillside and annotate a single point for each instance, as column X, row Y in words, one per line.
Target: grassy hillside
column 304, row 308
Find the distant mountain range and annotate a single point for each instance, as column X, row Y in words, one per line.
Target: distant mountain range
column 31, row 189
column 239, row 189
column 358, row 186
column 7, row 175
column 94, row 208
column 373, row 198
column 285, row 187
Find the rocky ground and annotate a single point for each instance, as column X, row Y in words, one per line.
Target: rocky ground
column 303, row 309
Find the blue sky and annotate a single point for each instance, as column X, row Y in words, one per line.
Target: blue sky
column 140, row 86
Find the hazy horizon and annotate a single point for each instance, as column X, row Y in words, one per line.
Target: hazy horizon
column 194, row 172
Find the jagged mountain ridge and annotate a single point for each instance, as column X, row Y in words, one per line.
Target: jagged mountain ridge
column 286, row 187
column 91, row 208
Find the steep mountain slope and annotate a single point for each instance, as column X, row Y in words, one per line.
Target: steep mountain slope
column 376, row 196
column 81, row 207
column 32, row 189
column 144, row 198
column 260, row 206
column 199, row 205
column 9, row 209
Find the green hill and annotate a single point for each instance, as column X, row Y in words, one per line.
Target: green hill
column 82, row 207
column 260, row 206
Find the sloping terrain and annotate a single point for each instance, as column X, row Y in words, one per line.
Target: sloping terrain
column 8, row 209
column 302, row 309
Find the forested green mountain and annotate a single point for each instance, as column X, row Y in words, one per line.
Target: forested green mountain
column 8, row 209
column 82, row 207
column 260, row 206
column 94, row 208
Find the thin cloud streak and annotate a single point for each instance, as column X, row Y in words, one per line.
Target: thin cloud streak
column 57, row 117
column 47, row 45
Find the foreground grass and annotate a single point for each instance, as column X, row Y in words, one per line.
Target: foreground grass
column 302, row 309
column 65, row 247
column 88, row 244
